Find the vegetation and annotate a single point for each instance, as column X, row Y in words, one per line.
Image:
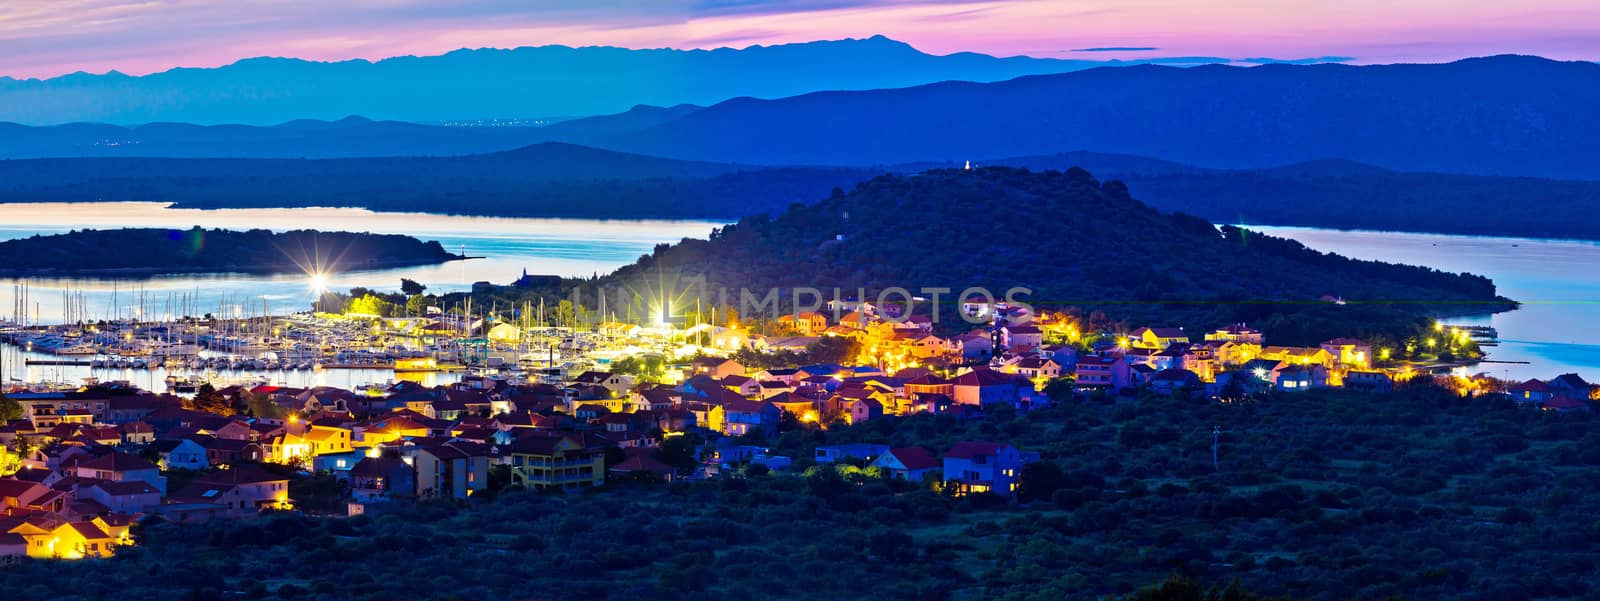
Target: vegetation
column 1321, row 495
column 1072, row 241
column 198, row 250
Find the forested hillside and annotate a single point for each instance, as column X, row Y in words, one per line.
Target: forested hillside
column 1068, row 237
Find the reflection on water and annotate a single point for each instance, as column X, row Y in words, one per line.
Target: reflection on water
column 1558, row 281
column 13, row 363
column 507, row 247
column 566, row 247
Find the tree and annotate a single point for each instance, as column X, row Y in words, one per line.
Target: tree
column 10, row 409
column 416, row 304
column 207, row 399
column 832, row 349
column 648, row 368
column 329, row 302
column 369, row 304
column 1039, row 480
column 566, row 315
column 680, row 452
column 410, row 287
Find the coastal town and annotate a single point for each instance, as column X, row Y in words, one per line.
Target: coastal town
column 549, row 408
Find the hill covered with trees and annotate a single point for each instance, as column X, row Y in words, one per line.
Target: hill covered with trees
column 140, row 251
column 1071, row 239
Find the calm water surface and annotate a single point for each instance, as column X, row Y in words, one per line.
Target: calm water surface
column 1557, row 329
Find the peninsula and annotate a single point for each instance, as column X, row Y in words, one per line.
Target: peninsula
column 145, row 251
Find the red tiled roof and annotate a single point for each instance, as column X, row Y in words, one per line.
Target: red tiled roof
column 244, row 474
column 914, row 458
column 118, row 462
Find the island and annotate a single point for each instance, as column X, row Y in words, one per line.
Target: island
column 147, row 251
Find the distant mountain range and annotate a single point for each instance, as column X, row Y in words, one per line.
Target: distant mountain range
column 1504, row 115
column 305, row 138
column 1349, row 195
column 553, row 179
column 544, row 82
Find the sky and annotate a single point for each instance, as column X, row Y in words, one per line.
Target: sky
column 46, row 38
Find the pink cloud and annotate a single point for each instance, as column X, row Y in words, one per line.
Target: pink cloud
column 42, row 38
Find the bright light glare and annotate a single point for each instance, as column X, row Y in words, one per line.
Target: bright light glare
column 318, row 283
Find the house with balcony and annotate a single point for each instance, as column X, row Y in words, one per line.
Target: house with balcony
column 541, row 460
column 983, row 467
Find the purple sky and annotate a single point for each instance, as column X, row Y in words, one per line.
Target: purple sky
column 43, row 38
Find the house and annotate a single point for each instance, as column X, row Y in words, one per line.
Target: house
column 1168, row 381
column 716, row 367
column 973, row 346
column 641, row 463
column 982, row 386
column 1110, row 372
column 321, row 439
column 857, row 411
column 382, row 479
column 50, row 537
column 1565, row 404
column 1237, row 383
column 1570, row 385
column 1035, row 368
column 1288, row 375
column 122, row 467
column 567, row 461
column 1531, row 391
column 803, row 408
column 339, row 464
column 1369, row 381
column 856, row 320
column 908, row 463
column 228, row 451
column 12, row 548
column 1157, row 338
column 919, row 344
column 1230, row 353
column 131, row 497
column 617, row 384
column 453, row 470
column 237, row 491
column 1141, row 373
column 978, row 467
column 25, row 495
column 863, row 452
column 745, row 386
column 1237, row 333
column 1349, row 352
column 1025, row 335
column 1298, row 355
column 737, row 417
column 185, row 454
column 137, row 432
column 767, row 389
column 807, row 323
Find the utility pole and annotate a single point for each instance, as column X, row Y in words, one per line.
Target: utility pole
column 1216, row 439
